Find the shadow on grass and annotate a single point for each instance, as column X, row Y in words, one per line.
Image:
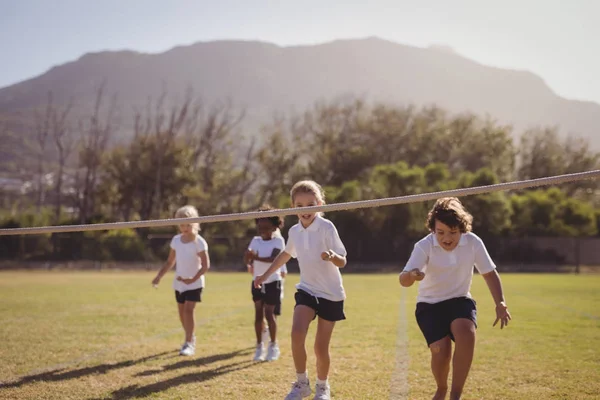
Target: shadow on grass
column 135, row 391
column 64, row 374
column 197, row 362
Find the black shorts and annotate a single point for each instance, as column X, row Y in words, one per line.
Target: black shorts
column 189, row 295
column 277, row 310
column 326, row 309
column 434, row 319
column 269, row 293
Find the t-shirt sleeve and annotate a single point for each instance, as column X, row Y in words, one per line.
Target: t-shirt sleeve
column 253, row 244
column 290, row 247
column 483, row 261
column 201, row 244
column 172, row 245
column 334, row 241
column 418, row 258
column 279, row 243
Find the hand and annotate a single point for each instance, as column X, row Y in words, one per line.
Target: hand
column 187, row 281
column 258, row 281
column 283, row 274
column 250, row 256
column 417, row 275
column 502, row 315
column 155, row 281
column 327, row 255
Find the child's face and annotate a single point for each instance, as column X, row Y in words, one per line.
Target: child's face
column 185, row 228
column 306, row 200
column 265, row 228
column 447, row 237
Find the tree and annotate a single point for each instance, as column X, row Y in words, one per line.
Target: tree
column 96, row 131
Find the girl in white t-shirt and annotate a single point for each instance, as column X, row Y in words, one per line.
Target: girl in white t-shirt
column 189, row 255
column 315, row 242
column 443, row 264
column 261, row 252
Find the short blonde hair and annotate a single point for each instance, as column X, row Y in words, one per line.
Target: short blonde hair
column 451, row 212
column 308, row 186
column 189, row 212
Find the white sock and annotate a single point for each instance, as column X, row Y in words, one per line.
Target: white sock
column 320, row 382
column 302, row 377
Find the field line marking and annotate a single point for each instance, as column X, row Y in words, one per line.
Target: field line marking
column 399, row 381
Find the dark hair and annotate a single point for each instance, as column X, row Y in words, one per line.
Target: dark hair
column 276, row 220
column 451, row 212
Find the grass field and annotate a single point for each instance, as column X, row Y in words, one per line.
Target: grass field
column 110, row 335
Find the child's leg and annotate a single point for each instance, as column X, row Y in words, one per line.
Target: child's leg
column 270, row 316
column 258, row 320
column 181, row 314
column 441, row 352
column 463, row 331
column 303, row 316
column 189, row 321
column 322, row 339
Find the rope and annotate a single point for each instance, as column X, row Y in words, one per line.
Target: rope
column 352, row 205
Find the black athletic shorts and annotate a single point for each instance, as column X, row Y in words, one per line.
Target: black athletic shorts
column 434, row 319
column 269, row 293
column 326, row 309
column 189, row 295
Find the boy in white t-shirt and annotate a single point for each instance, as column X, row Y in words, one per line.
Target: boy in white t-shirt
column 443, row 264
column 315, row 242
column 189, row 254
column 261, row 251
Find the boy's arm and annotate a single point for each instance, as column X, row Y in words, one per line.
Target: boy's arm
column 412, row 271
column 281, row 259
column 166, row 267
column 337, row 260
column 492, row 279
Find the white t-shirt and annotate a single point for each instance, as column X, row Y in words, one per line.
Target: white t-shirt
column 265, row 248
column 187, row 262
column 317, row 277
column 448, row 274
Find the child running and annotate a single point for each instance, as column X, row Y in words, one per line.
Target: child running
column 315, row 242
column 189, row 253
column 261, row 252
column 443, row 264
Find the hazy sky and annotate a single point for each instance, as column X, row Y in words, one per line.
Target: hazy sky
column 555, row 39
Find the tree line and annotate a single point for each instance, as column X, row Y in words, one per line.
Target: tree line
column 189, row 152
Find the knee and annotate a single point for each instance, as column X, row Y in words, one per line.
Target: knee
column 463, row 331
column 270, row 315
column 440, row 350
column 188, row 307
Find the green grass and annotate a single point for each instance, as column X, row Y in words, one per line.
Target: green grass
column 109, row 335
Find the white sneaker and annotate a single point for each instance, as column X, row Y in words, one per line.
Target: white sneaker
column 188, row 349
column 322, row 392
column 273, row 353
column 193, row 342
column 259, row 354
column 266, row 334
column 299, row 391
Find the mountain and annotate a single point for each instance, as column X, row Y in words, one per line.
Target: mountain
column 263, row 78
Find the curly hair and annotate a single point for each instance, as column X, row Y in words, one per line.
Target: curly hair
column 451, row 212
column 276, row 220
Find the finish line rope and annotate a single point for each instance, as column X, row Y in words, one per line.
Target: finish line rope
column 352, row 205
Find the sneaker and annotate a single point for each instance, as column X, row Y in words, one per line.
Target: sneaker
column 188, row 349
column 299, row 391
column 266, row 335
column 322, row 392
column 193, row 342
column 259, row 354
column 273, row 353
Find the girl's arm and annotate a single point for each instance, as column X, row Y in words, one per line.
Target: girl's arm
column 204, row 266
column 270, row 259
column 492, row 279
column 166, row 267
column 337, row 260
column 281, row 259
